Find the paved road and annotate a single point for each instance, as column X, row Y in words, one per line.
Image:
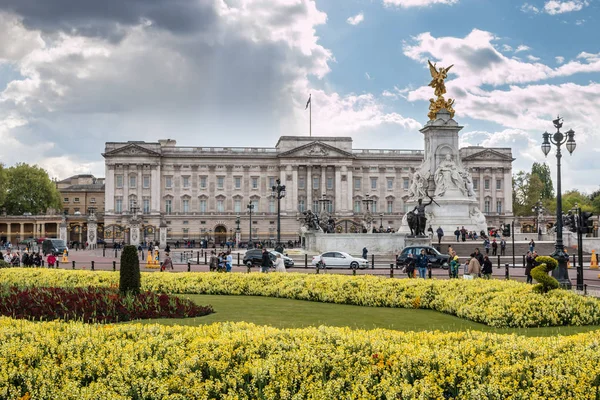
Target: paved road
column 83, row 260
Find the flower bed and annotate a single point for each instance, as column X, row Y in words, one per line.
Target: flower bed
column 56, row 360
column 89, row 304
column 492, row 302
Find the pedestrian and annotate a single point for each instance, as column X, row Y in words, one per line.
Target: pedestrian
column 450, row 251
column 266, row 261
column 228, row 261
column 463, row 234
column 440, row 234
column 454, row 265
column 51, row 260
column 167, row 248
column 502, row 246
column 214, row 261
column 279, row 265
column 167, row 263
column 457, row 233
column 479, row 256
column 486, row 246
column 529, row 265
column 494, row 247
column 422, row 262
column 410, row 266
column 486, row 269
column 474, row 266
column 365, row 251
column 531, row 246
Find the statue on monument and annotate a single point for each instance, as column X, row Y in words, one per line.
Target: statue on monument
column 439, row 89
column 447, row 175
column 417, row 219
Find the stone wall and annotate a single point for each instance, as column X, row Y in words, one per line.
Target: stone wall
column 353, row 243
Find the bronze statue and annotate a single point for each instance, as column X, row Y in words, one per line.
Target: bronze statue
column 439, row 89
column 416, row 218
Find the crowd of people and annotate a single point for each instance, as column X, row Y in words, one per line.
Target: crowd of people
column 25, row 259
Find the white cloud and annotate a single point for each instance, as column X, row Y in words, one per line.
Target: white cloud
column 554, row 7
column 368, row 76
column 244, row 75
column 521, row 48
column 580, row 22
column 417, row 3
column 506, row 47
column 559, row 59
column 357, row 19
column 533, row 58
column 528, row 8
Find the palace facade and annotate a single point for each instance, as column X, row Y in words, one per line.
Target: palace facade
column 202, row 192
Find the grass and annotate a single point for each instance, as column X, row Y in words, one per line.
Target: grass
column 286, row 313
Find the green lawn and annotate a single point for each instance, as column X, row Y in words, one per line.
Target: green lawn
column 286, row 313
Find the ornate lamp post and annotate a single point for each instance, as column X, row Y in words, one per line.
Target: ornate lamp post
column 250, row 207
column 558, row 139
column 237, row 230
column 538, row 210
column 381, row 222
column 278, row 192
column 323, row 203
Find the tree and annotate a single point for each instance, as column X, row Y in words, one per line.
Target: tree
column 571, row 197
column 29, row 189
column 3, row 180
column 595, row 201
column 130, row 281
column 543, row 172
column 527, row 189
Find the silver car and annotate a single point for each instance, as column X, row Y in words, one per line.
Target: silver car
column 340, row 259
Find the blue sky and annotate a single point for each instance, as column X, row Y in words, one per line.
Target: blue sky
column 74, row 74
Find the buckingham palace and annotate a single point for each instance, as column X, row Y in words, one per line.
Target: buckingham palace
column 203, row 193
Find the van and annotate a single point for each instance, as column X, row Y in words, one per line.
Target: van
column 54, row 246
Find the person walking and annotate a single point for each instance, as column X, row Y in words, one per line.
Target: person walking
column 486, row 246
column 531, row 246
column 279, row 265
column 410, row 266
column 457, row 234
column 463, row 234
column 502, row 246
column 474, row 266
column 454, row 266
column 494, row 247
column 266, row 261
column 214, row 261
column 440, row 235
column 228, row 261
column 422, row 262
column 365, row 252
column 51, row 260
column 486, row 269
column 529, row 265
column 167, row 263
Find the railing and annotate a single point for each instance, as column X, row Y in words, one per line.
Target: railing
column 219, row 150
column 386, row 152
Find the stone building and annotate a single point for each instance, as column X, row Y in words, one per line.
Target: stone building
column 79, row 193
column 199, row 192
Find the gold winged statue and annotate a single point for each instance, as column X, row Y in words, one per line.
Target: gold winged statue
column 437, row 83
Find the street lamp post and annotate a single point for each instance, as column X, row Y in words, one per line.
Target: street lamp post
column 558, row 139
column 380, row 222
column 367, row 200
column 278, row 192
column 237, row 230
column 324, row 203
column 250, row 207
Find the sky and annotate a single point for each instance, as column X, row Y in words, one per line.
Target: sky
column 77, row 73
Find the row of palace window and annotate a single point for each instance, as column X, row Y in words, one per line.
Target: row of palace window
column 486, row 184
column 254, row 182
column 487, row 206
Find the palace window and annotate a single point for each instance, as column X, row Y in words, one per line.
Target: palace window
column 132, row 181
column 119, row 181
column 254, row 182
column 271, row 182
column 220, row 205
column 329, row 183
column 405, row 183
column 271, row 205
column 185, row 205
column 76, row 199
column 202, row 182
column 374, row 206
column 390, row 206
column 499, row 206
column 238, row 182
column 498, row 184
column 146, row 206
column 255, row 203
column 300, row 182
column 66, row 200
column 168, row 182
column 146, row 181
column 390, row 183
column 315, row 182
column 202, row 205
column 475, row 183
column 356, row 206
column 301, row 205
column 486, row 184
column 186, row 181
column 356, row 183
column 168, row 206
column 373, row 183
column 315, row 206
column 237, row 205
column 486, row 206
column 220, row 182
column 119, row 205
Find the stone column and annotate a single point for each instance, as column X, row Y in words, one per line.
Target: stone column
column 337, row 206
column 350, row 186
column 163, row 235
column 295, row 189
column 63, row 231
column 134, row 232
column 309, row 183
column 43, row 229
column 8, row 232
column 285, row 201
column 92, row 228
column 323, row 180
column 493, row 187
column 508, row 194
column 22, row 231
column 109, row 189
column 155, row 188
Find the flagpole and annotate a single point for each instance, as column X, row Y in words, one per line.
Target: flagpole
column 310, row 119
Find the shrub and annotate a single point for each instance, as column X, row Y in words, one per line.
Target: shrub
column 130, row 281
column 540, row 274
column 4, row 264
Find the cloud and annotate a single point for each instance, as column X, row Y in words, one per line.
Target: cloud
column 559, row 59
column 506, row 47
column 236, row 72
column 522, row 48
column 417, row 3
column 368, row 76
column 357, row 19
column 554, row 7
column 528, row 8
column 533, row 58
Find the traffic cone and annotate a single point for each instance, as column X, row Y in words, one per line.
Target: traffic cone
column 64, row 259
column 594, row 261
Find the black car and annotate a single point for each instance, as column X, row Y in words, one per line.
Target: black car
column 254, row 257
column 436, row 259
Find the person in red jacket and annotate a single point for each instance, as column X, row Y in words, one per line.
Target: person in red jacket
column 51, row 261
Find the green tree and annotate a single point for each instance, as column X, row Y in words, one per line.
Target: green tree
column 571, row 197
column 29, row 189
column 543, row 172
column 595, row 201
column 527, row 189
column 129, row 278
column 3, row 181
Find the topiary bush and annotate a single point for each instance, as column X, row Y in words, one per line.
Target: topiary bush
column 540, row 274
column 129, row 281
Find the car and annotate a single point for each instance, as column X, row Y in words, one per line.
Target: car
column 340, row 259
column 100, row 241
column 436, row 259
column 254, row 257
column 54, row 246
